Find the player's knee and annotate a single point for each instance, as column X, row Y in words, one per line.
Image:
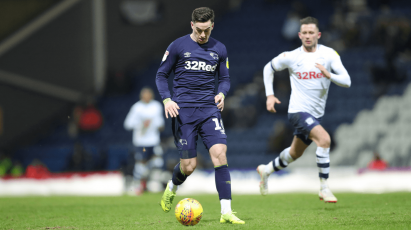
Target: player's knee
column 189, row 170
column 219, row 155
column 325, row 142
column 188, row 166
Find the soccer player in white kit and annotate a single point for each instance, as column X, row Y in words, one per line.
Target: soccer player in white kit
column 310, row 73
column 146, row 120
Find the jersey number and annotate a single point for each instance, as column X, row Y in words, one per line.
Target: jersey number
column 217, row 124
column 199, row 65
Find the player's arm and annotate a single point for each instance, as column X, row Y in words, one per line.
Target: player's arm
column 223, row 80
column 166, row 66
column 341, row 78
column 280, row 62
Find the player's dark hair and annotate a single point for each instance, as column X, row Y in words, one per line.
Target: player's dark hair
column 309, row 20
column 202, row 14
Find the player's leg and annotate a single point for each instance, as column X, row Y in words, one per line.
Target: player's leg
column 222, row 176
column 139, row 170
column 185, row 139
column 223, row 183
column 181, row 171
column 287, row 156
column 303, row 123
column 144, row 167
column 321, row 137
column 213, row 135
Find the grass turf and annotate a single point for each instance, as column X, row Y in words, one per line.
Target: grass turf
column 280, row 211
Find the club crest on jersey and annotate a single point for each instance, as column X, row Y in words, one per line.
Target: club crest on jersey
column 183, row 141
column 214, row 55
column 309, row 121
column 165, row 56
column 187, row 54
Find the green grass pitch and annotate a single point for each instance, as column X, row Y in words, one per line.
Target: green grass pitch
column 279, row 211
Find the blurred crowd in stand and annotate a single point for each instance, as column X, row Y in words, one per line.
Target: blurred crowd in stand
column 373, row 24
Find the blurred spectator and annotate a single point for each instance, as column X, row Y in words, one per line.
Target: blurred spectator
column 5, row 165
column 146, row 120
column 394, row 34
column 86, row 118
column 355, row 24
column 377, row 163
column 280, row 138
column 80, row 160
column 291, row 25
column 37, row 170
column 333, row 35
column 234, row 115
column 17, row 170
column 246, row 98
column 90, row 119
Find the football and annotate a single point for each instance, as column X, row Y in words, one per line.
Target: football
column 189, row 212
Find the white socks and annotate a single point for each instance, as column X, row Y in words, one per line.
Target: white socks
column 172, row 187
column 323, row 162
column 225, row 206
column 286, row 157
column 269, row 168
column 280, row 162
column 323, row 183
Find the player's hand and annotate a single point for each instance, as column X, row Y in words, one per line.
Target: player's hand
column 323, row 70
column 271, row 100
column 220, row 100
column 171, row 108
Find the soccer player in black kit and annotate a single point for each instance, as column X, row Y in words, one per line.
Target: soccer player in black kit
column 195, row 108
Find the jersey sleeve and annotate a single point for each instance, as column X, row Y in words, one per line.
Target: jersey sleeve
column 167, row 64
column 132, row 120
column 224, row 77
column 281, row 62
column 268, row 74
column 341, row 78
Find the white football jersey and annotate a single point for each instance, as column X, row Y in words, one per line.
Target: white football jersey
column 140, row 112
column 309, row 88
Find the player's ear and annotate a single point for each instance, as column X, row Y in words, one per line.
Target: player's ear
column 319, row 35
column 192, row 25
column 299, row 35
column 212, row 26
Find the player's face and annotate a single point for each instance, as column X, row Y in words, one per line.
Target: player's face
column 309, row 35
column 202, row 31
column 146, row 96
